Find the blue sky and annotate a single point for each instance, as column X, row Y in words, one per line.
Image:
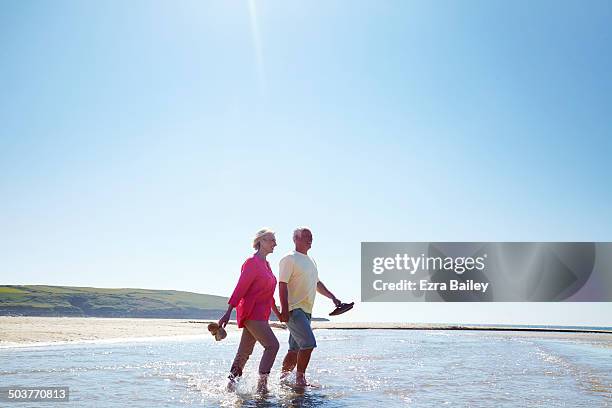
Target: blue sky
column 143, row 143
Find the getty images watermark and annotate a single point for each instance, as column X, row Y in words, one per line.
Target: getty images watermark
column 486, row 271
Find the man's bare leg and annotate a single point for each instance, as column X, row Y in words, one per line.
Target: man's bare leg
column 289, row 363
column 303, row 358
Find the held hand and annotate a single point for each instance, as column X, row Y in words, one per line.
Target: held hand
column 278, row 315
column 284, row 317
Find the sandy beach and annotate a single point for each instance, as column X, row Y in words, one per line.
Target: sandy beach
column 19, row 331
column 31, row 330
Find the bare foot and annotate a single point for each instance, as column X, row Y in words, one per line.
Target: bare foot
column 262, row 384
column 300, row 380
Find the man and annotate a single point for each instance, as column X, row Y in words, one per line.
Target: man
column 298, row 284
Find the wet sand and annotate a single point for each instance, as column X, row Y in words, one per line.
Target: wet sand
column 16, row 331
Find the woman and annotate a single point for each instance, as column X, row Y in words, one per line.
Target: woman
column 253, row 299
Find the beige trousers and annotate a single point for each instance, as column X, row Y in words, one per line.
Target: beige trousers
column 255, row 331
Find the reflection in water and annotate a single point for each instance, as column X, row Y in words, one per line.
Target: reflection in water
column 297, row 397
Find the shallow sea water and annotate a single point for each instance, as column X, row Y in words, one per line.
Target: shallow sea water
column 350, row 368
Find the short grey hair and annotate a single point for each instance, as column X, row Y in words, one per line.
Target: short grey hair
column 259, row 235
column 297, row 233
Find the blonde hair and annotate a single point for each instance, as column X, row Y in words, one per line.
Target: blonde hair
column 259, row 235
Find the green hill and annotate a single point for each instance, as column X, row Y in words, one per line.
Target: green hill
column 37, row 300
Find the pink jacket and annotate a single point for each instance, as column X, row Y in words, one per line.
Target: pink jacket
column 254, row 294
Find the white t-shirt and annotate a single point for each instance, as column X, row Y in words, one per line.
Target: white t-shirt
column 300, row 273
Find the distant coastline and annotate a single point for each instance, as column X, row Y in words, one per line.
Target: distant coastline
column 71, row 301
column 33, row 331
column 468, row 327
